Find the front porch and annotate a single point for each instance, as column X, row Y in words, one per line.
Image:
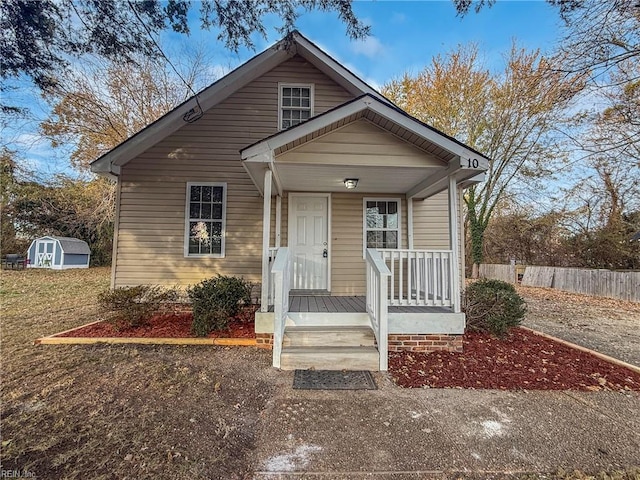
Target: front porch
column 355, row 304
column 361, row 203
column 411, row 300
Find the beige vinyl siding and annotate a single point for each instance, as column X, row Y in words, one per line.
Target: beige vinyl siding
column 150, row 235
column 431, row 222
column 431, row 232
column 430, row 225
column 359, row 143
column 347, row 230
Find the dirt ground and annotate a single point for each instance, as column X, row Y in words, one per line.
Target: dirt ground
column 149, row 412
column 106, row 412
column 606, row 325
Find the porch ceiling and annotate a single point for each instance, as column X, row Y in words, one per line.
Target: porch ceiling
column 330, row 178
column 418, row 182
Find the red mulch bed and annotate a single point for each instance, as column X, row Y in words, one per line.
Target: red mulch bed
column 170, row 325
column 520, row 361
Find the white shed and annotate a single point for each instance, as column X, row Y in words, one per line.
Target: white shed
column 58, row 253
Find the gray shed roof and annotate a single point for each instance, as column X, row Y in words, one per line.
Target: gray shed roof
column 73, row 246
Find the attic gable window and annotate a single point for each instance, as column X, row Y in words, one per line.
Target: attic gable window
column 295, row 104
column 205, row 219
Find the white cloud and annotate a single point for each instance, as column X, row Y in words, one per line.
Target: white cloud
column 373, row 84
column 397, row 18
column 37, row 155
column 367, row 21
column 370, row 47
column 33, row 143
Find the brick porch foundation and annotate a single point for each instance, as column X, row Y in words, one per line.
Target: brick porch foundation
column 397, row 343
column 264, row 340
column 425, row 343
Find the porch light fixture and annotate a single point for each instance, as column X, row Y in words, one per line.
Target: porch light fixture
column 350, row 183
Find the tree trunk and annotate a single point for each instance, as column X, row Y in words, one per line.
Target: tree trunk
column 475, row 271
column 477, row 239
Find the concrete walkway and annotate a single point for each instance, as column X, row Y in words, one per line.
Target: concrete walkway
column 398, row 433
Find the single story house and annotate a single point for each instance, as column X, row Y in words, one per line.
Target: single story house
column 58, row 253
column 293, row 173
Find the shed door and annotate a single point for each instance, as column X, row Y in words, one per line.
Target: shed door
column 308, row 242
column 44, row 253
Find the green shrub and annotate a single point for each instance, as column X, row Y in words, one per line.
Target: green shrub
column 215, row 300
column 132, row 306
column 493, row 306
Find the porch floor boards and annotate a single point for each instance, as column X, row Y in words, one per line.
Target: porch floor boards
column 355, row 304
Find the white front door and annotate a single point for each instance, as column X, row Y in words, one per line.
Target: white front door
column 308, row 241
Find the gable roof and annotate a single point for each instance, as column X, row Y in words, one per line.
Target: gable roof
column 286, row 48
column 379, row 111
column 453, row 158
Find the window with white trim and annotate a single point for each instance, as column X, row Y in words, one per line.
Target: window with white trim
column 381, row 223
column 296, row 104
column 205, row 219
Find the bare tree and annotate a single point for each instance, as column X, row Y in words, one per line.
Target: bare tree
column 103, row 103
column 100, row 105
column 510, row 117
column 598, row 34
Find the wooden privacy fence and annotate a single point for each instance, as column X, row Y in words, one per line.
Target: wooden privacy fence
column 506, row 273
column 602, row 283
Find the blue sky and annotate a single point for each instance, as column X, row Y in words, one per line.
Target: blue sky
column 405, row 37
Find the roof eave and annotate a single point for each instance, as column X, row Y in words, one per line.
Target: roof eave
column 224, row 87
column 333, row 69
column 174, row 120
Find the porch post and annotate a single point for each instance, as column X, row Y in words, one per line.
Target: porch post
column 278, row 219
column 266, row 234
column 454, row 243
column 410, row 222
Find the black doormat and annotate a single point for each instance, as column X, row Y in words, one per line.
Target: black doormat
column 333, row 380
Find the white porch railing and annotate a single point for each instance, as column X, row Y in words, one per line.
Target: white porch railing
column 420, row 277
column 281, row 271
column 377, row 286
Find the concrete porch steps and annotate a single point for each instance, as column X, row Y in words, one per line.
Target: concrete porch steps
column 329, row 336
column 330, row 358
column 329, row 347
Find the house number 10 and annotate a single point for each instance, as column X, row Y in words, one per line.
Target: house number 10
column 472, row 163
